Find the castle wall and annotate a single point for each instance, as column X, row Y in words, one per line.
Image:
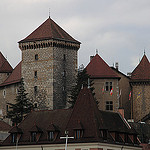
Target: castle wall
column 65, row 67
column 44, row 68
column 55, row 68
column 141, row 103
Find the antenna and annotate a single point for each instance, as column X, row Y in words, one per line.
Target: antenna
column 144, row 51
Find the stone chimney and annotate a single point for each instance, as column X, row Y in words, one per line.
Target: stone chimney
column 117, row 65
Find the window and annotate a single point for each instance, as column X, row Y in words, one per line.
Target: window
column 7, row 108
column 108, row 86
column 35, row 90
column 104, row 134
column 4, row 93
column 35, row 74
column 33, row 137
column 35, row 105
column 14, row 137
column 78, row 133
column 64, row 57
column 64, row 73
column 109, row 105
column 36, row 57
column 51, row 135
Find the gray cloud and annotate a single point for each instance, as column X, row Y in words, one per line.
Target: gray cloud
column 120, row 30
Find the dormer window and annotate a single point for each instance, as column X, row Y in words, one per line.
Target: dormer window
column 36, row 133
column 103, row 133
column 78, row 134
column 78, row 130
column 52, row 131
column 14, row 137
column 33, row 137
column 51, row 136
column 15, row 134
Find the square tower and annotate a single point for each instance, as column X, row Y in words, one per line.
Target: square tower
column 49, row 64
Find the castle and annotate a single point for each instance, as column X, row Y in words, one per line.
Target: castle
column 49, row 68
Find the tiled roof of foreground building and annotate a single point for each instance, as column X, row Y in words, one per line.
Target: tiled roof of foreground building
column 49, row 30
column 98, row 68
column 142, row 71
column 94, row 125
column 5, row 67
column 14, row 77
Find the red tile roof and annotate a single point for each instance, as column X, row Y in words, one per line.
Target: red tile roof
column 84, row 116
column 142, row 71
column 97, row 68
column 5, row 67
column 4, row 126
column 14, row 77
column 49, row 30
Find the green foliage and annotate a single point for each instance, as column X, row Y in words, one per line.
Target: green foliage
column 22, row 106
column 81, row 80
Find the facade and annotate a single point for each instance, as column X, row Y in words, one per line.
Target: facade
column 106, row 84
column 90, row 127
column 140, row 84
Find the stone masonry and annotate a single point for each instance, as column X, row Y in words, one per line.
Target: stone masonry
column 55, row 68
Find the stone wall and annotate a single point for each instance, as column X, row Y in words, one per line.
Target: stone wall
column 55, row 70
column 141, row 101
column 103, row 96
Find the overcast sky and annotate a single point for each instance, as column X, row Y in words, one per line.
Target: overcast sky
column 118, row 29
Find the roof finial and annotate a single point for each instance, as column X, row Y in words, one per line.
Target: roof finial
column 96, row 51
column 49, row 13
column 144, row 51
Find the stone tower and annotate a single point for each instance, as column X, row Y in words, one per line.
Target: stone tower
column 140, row 84
column 49, row 64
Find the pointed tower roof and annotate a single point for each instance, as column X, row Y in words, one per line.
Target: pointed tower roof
column 14, row 77
column 5, row 67
column 49, row 30
column 142, row 71
column 85, row 115
column 97, row 68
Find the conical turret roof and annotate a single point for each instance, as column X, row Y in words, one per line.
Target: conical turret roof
column 142, row 71
column 49, row 30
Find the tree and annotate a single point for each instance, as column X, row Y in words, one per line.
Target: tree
column 81, row 80
column 22, row 106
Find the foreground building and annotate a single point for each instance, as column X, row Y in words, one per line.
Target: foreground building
column 90, row 127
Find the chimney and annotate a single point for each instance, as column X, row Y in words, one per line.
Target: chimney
column 121, row 111
column 116, row 65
